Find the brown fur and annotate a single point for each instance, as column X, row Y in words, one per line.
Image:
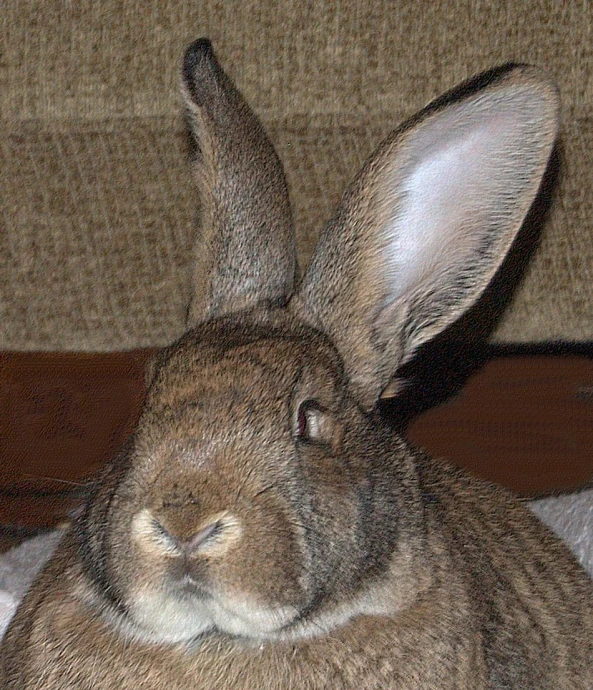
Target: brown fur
column 265, row 528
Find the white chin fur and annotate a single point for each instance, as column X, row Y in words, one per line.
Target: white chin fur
column 169, row 619
column 166, row 618
column 247, row 619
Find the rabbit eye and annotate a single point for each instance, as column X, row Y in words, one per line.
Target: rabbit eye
column 310, row 419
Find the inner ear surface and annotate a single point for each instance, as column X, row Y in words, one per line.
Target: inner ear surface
column 423, row 228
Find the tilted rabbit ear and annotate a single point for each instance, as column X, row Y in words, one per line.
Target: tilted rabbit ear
column 423, row 228
column 245, row 252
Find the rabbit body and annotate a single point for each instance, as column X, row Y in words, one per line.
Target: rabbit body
column 265, row 528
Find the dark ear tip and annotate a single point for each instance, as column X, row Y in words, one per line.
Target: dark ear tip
column 199, row 64
column 492, row 77
column 195, row 53
column 200, row 48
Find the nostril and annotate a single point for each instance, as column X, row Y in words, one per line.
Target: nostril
column 202, row 535
column 161, row 531
column 151, row 535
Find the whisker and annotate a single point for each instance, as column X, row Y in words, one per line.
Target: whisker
column 247, row 478
column 56, row 480
column 264, row 490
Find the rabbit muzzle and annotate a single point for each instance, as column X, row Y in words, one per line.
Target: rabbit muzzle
column 213, row 557
column 201, row 582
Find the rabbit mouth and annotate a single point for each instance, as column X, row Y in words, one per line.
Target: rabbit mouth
column 189, row 588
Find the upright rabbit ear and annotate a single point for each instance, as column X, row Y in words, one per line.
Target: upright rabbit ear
column 245, row 252
column 424, row 226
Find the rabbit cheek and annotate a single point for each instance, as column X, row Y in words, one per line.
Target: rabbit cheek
column 259, row 585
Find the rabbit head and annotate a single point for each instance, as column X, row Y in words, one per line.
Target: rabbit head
column 261, row 495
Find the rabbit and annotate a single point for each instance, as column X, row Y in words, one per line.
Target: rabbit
column 265, row 527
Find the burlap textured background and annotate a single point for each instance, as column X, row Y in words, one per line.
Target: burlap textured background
column 96, row 203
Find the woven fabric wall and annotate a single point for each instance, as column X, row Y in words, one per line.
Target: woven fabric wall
column 96, row 200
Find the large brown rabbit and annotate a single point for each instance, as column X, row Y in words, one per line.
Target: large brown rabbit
column 264, row 529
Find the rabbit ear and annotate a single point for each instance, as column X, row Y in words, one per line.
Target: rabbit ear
column 424, row 226
column 245, row 253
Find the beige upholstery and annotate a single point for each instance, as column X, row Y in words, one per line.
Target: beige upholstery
column 96, row 202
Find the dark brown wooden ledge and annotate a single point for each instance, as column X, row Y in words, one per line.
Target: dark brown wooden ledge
column 523, row 418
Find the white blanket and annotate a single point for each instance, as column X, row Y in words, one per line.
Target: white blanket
column 571, row 517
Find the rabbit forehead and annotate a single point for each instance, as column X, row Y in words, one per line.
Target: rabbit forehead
column 239, row 364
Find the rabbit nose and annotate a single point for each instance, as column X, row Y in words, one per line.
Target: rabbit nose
column 191, row 544
column 216, row 534
column 200, row 536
